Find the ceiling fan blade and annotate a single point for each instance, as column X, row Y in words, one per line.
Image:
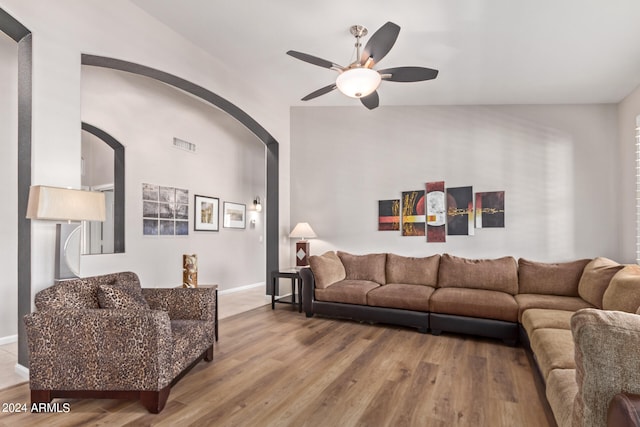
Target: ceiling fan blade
column 408, row 74
column 371, row 101
column 314, row 60
column 380, row 43
column 320, row 92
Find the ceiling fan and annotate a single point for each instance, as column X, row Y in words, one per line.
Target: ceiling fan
column 359, row 79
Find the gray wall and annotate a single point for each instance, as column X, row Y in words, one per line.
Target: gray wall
column 145, row 116
column 8, row 189
column 557, row 164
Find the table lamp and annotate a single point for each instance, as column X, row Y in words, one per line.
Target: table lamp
column 66, row 205
column 302, row 230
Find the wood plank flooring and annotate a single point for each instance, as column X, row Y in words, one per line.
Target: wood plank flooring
column 278, row 368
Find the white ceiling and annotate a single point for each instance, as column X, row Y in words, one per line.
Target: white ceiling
column 487, row 51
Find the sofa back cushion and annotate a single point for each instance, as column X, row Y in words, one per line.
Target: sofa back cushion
column 82, row 292
column 364, row 267
column 412, row 271
column 595, row 280
column 327, row 269
column 550, row 278
column 623, row 292
column 492, row 274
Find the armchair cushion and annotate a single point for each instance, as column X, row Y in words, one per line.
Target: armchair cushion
column 119, row 297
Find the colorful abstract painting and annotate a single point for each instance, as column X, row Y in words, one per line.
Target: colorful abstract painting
column 436, row 212
column 389, row 215
column 413, row 213
column 490, row 209
column 460, row 211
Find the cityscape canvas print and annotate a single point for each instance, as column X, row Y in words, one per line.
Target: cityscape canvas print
column 413, row 213
column 389, row 215
column 165, row 211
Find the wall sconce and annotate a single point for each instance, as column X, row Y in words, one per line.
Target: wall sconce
column 257, row 205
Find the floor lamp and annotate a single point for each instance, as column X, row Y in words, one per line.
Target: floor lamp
column 301, row 231
column 66, row 205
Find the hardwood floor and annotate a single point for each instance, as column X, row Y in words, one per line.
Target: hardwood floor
column 278, row 368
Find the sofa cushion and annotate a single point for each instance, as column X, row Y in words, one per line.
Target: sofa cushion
column 550, row 278
column 474, row 303
column 561, row 392
column 553, row 349
column 412, row 271
column 327, row 269
column 121, row 297
column 527, row 301
column 74, row 293
column 623, row 293
column 595, row 279
column 346, row 291
column 398, row 295
column 490, row 274
column 364, row 267
column 538, row 318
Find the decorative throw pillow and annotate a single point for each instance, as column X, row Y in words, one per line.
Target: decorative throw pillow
column 364, row 267
column 121, row 297
column 327, row 269
column 623, row 293
column 595, row 279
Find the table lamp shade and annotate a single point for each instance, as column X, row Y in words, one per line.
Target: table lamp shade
column 302, row 230
column 64, row 204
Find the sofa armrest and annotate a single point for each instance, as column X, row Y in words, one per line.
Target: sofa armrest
column 607, row 361
column 308, row 288
column 99, row 349
column 182, row 303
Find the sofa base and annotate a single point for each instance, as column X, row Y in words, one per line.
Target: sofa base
column 153, row 400
column 506, row 331
column 365, row 313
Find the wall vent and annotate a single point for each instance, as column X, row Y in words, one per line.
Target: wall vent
column 184, row 145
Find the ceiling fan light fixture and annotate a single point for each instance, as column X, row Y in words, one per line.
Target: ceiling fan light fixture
column 358, row 82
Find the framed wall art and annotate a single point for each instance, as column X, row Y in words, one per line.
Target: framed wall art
column 206, row 213
column 234, row 215
column 165, row 210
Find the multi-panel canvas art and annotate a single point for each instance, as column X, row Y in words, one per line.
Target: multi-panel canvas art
column 389, row 215
column 460, row 211
column 165, row 211
column 436, row 212
column 490, row 209
column 413, row 213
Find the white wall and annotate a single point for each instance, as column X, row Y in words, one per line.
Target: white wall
column 97, row 160
column 628, row 110
column 553, row 163
column 8, row 189
column 229, row 163
column 120, row 30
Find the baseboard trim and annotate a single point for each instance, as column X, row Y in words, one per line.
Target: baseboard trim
column 8, row 339
column 22, row 371
column 241, row 288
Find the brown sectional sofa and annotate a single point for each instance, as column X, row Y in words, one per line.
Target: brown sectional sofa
column 579, row 319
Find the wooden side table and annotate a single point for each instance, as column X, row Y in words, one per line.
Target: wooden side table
column 296, row 281
column 215, row 306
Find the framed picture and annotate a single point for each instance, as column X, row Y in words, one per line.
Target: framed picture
column 234, row 215
column 206, row 211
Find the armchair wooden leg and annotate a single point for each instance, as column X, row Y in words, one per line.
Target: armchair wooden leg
column 209, row 355
column 154, row 401
column 41, row 396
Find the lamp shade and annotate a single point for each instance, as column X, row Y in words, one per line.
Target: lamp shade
column 358, row 82
column 302, row 230
column 64, row 204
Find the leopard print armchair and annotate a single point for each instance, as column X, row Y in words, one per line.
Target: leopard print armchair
column 106, row 337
